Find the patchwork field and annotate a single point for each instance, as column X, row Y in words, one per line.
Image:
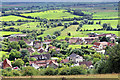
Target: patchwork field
column 52, row 14
column 12, row 18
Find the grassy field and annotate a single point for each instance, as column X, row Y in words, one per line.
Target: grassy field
column 12, row 18
column 105, row 15
column 51, row 31
column 52, row 14
column 91, row 27
column 94, row 76
column 79, row 46
column 28, row 26
column 8, row 33
column 113, row 23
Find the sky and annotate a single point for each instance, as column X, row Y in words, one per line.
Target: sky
column 60, row 0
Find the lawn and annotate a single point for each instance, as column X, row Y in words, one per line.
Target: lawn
column 105, row 15
column 79, row 46
column 52, row 14
column 12, row 18
column 8, row 33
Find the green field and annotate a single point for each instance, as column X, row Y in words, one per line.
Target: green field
column 79, row 46
column 52, row 14
column 105, row 15
column 12, row 18
column 51, row 31
column 91, row 27
column 8, row 33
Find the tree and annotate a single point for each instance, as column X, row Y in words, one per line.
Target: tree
column 49, row 71
column 18, row 62
column 104, row 25
column 22, row 44
column 29, row 71
column 65, row 71
column 14, row 45
column 78, row 70
column 24, row 53
column 69, row 34
column 14, row 54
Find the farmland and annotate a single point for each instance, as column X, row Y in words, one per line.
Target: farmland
column 91, row 27
column 79, row 46
column 52, row 14
column 105, row 15
column 12, row 18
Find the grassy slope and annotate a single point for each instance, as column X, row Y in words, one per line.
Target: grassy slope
column 12, row 18
column 52, row 14
column 26, row 26
column 91, row 27
column 8, row 33
column 51, row 31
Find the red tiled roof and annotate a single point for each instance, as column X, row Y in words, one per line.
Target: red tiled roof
column 64, row 61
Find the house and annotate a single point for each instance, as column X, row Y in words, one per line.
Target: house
column 31, row 50
column 37, row 44
column 64, row 61
column 75, row 58
column 101, row 45
column 89, row 40
column 107, row 35
column 41, row 63
column 6, row 63
column 18, row 35
column 41, row 50
column 42, row 57
column 53, row 64
column 75, row 40
column 1, row 64
column 87, row 63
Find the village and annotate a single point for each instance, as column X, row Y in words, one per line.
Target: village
column 47, row 53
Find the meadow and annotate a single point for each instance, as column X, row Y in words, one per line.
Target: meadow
column 91, row 27
column 12, row 18
column 51, row 31
column 51, row 14
column 8, row 33
column 105, row 15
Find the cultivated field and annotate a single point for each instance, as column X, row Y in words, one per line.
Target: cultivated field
column 52, row 14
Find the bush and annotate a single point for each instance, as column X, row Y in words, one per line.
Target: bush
column 65, row 71
column 29, row 71
column 49, row 71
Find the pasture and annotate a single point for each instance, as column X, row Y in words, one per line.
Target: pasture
column 51, row 14
column 105, row 15
column 91, row 27
column 8, row 33
column 51, row 31
column 12, row 18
